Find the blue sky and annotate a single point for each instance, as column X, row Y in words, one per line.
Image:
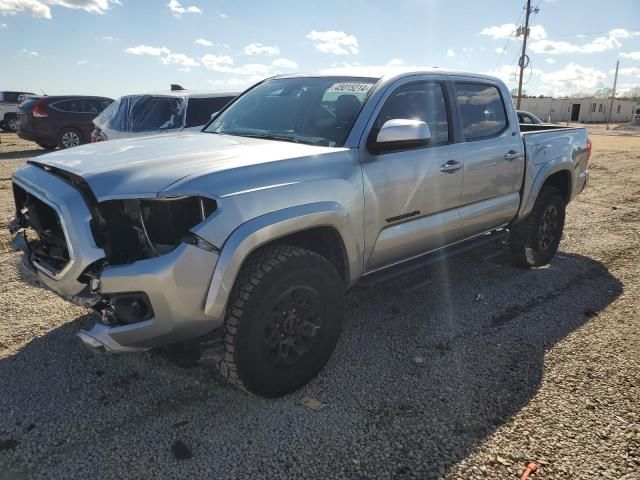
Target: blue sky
column 112, row 48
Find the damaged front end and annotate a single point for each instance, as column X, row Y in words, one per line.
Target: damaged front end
column 135, row 261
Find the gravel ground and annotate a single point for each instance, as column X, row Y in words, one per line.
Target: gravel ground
column 469, row 369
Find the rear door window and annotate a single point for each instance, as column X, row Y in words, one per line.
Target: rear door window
column 482, row 110
column 199, row 110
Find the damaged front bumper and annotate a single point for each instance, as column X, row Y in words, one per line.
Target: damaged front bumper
column 144, row 304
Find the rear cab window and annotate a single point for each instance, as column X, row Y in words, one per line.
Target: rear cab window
column 482, row 110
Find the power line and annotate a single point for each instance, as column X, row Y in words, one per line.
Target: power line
column 504, row 49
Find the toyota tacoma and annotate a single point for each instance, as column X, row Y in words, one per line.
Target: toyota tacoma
column 297, row 190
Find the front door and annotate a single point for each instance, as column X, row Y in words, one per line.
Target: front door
column 412, row 196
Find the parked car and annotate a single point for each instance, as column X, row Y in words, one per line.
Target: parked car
column 151, row 114
column 636, row 115
column 528, row 118
column 59, row 121
column 298, row 190
column 9, row 110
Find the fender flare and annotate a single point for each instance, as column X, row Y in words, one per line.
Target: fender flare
column 533, row 189
column 264, row 229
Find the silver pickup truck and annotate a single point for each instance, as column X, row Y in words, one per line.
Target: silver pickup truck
column 299, row 189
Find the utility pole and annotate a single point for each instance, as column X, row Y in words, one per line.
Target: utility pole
column 523, row 57
column 613, row 94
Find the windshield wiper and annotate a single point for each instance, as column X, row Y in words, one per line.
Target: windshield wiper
column 271, row 136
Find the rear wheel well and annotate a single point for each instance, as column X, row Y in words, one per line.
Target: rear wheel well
column 562, row 181
column 324, row 241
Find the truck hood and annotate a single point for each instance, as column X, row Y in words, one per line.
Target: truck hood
column 146, row 166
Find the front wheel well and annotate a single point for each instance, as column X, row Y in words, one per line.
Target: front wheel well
column 562, row 181
column 325, row 241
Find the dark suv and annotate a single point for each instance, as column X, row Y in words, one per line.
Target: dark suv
column 59, row 121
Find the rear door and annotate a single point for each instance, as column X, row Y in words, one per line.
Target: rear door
column 412, row 205
column 494, row 155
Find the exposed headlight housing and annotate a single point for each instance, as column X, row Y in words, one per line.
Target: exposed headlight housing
column 135, row 229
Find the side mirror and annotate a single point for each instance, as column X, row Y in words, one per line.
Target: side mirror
column 400, row 134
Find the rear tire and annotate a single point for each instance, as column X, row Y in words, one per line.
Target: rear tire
column 70, row 137
column 284, row 317
column 534, row 241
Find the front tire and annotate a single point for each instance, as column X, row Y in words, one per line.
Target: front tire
column 283, row 320
column 534, row 241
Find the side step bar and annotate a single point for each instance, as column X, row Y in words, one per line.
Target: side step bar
column 392, row 272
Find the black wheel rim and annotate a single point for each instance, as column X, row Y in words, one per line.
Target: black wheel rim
column 292, row 330
column 548, row 227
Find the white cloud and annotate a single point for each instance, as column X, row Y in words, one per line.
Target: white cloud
column 203, row 42
column 500, row 50
column 550, row 61
column 225, row 64
column 216, row 62
column 224, row 15
column 623, row 33
column 176, row 7
column 29, row 53
column 233, row 84
column 331, row 41
column 632, row 55
column 41, row 8
column 109, row 39
column 180, row 59
column 284, row 63
column 147, row 50
column 630, row 71
column 506, row 73
column 597, row 45
column 451, row 53
column 506, row 30
column 3, row 25
column 260, row 49
column 82, row 62
column 573, row 78
column 394, row 62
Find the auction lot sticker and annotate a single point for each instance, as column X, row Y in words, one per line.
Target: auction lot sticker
column 351, row 87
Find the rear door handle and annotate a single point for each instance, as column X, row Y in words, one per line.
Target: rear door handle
column 512, row 155
column 451, row 166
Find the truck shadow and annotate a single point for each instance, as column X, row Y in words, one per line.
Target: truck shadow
column 427, row 368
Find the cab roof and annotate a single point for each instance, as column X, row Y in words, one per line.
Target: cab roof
column 388, row 72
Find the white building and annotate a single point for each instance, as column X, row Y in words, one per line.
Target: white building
column 578, row 109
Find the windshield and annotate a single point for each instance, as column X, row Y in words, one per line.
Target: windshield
column 141, row 113
column 312, row 110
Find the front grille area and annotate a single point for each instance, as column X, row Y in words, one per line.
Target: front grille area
column 43, row 230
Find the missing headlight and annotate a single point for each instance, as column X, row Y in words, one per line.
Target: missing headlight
column 131, row 230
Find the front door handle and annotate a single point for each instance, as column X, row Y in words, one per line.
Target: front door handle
column 511, row 155
column 451, row 166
